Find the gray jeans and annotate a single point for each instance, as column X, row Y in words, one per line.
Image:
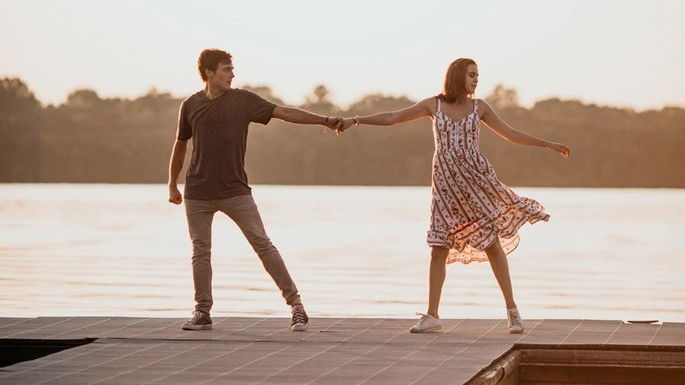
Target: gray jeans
column 243, row 211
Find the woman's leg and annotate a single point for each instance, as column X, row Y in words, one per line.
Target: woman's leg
column 436, row 278
column 500, row 266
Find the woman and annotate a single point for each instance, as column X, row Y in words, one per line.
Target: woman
column 474, row 216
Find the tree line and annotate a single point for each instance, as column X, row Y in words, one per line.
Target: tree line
column 115, row 140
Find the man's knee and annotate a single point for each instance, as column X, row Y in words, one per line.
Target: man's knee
column 262, row 245
column 201, row 249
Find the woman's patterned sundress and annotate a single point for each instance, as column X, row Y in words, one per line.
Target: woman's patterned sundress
column 471, row 208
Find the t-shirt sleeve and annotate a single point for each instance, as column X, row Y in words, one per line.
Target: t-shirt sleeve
column 258, row 109
column 184, row 131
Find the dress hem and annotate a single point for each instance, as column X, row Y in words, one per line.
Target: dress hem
column 463, row 251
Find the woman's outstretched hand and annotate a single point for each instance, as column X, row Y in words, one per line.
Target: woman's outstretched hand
column 562, row 149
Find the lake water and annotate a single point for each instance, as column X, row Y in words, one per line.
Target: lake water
column 73, row 249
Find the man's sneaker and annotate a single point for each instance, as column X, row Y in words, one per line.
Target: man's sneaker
column 300, row 321
column 514, row 321
column 426, row 324
column 199, row 321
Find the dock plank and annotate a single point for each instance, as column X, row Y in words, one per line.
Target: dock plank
column 131, row 350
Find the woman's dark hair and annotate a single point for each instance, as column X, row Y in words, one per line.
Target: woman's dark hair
column 210, row 59
column 454, row 88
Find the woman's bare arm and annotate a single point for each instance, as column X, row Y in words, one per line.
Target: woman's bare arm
column 501, row 128
column 418, row 110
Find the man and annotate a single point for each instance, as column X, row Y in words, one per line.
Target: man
column 217, row 119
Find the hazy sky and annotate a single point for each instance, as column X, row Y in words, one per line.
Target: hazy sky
column 624, row 52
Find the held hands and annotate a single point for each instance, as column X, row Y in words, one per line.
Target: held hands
column 345, row 124
column 333, row 123
column 562, row 149
column 338, row 124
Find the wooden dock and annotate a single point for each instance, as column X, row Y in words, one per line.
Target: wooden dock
column 264, row 350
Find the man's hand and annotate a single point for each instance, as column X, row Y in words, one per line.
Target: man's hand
column 344, row 124
column 175, row 196
column 333, row 123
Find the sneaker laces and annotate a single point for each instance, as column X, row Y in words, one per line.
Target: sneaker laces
column 299, row 315
column 197, row 315
column 424, row 317
column 514, row 317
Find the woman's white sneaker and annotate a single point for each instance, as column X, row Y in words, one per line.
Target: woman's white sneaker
column 426, row 324
column 514, row 321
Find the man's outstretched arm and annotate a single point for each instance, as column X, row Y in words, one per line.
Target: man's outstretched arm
column 294, row 115
column 178, row 156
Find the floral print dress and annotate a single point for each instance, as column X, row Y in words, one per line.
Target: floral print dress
column 470, row 207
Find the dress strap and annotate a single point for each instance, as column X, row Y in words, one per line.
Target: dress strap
column 475, row 105
column 437, row 104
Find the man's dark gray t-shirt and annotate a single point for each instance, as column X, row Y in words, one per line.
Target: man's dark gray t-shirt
column 218, row 128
